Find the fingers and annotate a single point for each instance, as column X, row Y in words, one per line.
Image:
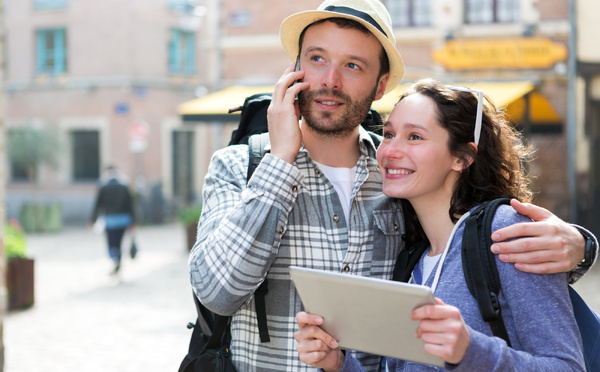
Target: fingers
column 538, row 255
column 531, row 250
column 545, row 223
column 531, row 210
column 434, row 312
column 316, row 347
column 443, row 330
column 285, row 89
column 303, row 319
column 283, row 116
column 547, row 245
column 519, row 230
column 309, row 330
column 544, row 268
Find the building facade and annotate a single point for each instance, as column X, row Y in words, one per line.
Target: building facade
column 455, row 41
column 131, row 66
column 106, row 78
column 586, row 116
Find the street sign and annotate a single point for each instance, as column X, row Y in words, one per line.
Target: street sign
column 502, row 53
column 138, row 136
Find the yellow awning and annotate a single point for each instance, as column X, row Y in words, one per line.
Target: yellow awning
column 513, row 97
column 215, row 106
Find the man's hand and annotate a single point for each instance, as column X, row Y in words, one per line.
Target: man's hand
column 547, row 245
column 315, row 347
column 283, row 116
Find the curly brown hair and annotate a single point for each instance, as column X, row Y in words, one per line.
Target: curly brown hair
column 498, row 167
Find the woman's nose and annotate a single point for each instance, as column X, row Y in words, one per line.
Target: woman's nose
column 392, row 149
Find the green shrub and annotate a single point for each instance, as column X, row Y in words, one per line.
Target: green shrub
column 190, row 215
column 14, row 242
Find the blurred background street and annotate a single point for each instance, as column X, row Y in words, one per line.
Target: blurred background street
column 85, row 320
column 589, row 288
column 146, row 86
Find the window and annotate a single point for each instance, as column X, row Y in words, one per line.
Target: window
column 85, row 146
column 49, row 4
column 182, row 52
column 179, row 4
column 51, row 51
column 409, row 13
column 491, row 11
column 17, row 171
column 183, row 166
column 240, row 18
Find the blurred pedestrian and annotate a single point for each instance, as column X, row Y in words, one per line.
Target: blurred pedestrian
column 114, row 204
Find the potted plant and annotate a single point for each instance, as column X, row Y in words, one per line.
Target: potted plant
column 32, row 147
column 189, row 218
column 19, row 268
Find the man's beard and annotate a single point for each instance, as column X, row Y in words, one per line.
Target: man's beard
column 323, row 122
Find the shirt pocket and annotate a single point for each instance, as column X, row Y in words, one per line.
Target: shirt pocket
column 388, row 229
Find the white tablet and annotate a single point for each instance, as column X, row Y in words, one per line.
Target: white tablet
column 366, row 314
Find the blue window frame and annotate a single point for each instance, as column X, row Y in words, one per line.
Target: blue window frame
column 51, row 51
column 410, row 13
column 182, row 52
column 174, row 4
column 491, row 11
column 49, row 4
column 183, row 6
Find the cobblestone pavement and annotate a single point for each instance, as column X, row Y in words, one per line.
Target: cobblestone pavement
column 85, row 320
column 589, row 287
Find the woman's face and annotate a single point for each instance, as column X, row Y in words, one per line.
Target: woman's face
column 414, row 158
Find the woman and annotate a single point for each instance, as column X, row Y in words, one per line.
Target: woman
column 445, row 152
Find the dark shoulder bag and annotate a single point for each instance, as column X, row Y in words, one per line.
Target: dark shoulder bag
column 209, row 352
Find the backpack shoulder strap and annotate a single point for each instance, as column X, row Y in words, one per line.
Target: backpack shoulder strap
column 407, row 260
column 211, row 331
column 256, row 151
column 588, row 322
column 479, row 265
column 253, row 117
column 376, row 139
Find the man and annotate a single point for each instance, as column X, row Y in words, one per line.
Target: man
column 115, row 203
column 316, row 199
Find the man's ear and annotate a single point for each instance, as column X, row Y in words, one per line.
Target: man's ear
column 381, row 84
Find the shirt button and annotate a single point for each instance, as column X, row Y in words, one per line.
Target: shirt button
column 395, row 227
column 336, row 218
column 346, row 269
column 281, row 230
column 317, row 171
column 294, row 188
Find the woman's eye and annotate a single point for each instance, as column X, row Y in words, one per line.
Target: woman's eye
column 388, row 135
column 414, row 137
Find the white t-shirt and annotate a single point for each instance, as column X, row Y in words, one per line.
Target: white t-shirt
column 342, row 180
column 429, row 263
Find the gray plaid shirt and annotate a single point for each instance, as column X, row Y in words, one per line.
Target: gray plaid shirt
column 285, row 215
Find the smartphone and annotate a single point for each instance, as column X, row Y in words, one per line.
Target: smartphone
column 297, row 68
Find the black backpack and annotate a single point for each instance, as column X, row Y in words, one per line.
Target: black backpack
column 211, row 335
column 483, row 281
column 481, row 274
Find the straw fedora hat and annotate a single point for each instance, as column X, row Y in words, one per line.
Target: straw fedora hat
column 370, row 13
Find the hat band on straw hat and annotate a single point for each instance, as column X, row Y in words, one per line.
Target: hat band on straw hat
column 356, row 13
